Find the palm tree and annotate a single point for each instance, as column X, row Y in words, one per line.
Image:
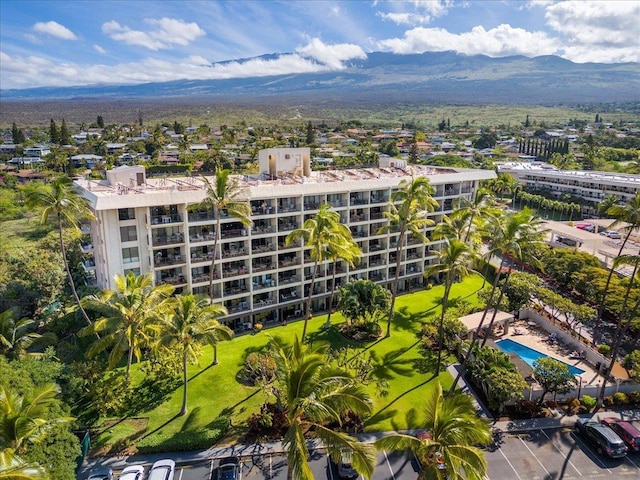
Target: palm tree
column 58, row 198
column 453, row 262
column 190, row 322
column 447, row 449
column 349, row 252
column 13, row 468
column 15, row 335
column 409, row 217
column 24, row 419
column 127, row 313
column 481, row 206
column 323, row 233
column 223, row 195
column 628, row 214
column 626, row 315
column 313, row 394
column 516, row 235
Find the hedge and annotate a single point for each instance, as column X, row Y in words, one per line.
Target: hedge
column 179, row 168
column 186, row 440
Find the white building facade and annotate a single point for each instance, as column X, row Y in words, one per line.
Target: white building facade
column 591, row 186
column 156, row 226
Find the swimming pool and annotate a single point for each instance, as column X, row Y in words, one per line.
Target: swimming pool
column 529, row 355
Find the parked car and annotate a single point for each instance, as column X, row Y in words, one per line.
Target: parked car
column 103, row 474
column 229, row 469
column 612, row 234
column 133, row 472
column 162, row 470
column 588, row 227
column 605, row 440
column 345, row 469
column 629, row 434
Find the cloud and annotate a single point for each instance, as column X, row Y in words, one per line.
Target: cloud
column 99, row 49
column 604, row 24
column 331, row 55
column 500, row 41
column 422, row 12
column 24, row 72
column 54, row 29
column 164, row 34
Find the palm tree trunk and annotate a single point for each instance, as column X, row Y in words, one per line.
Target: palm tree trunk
column 215, row 354
column 474, row 340
column 63, row 251
column 495, row 310
column 445, row 301
column 333, row 289
column 129, row 360
column 394, row 285
column 185, row 381
column 212, row 268
column 307, row 313
column 620, row 332
column 601, row 307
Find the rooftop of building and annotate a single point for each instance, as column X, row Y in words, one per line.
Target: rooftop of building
column 195, row 182
column 582, row 174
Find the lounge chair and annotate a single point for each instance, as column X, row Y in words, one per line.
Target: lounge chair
column 553, row 338
column 518, row 331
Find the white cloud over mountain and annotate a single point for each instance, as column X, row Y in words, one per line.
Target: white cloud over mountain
column 165, row 33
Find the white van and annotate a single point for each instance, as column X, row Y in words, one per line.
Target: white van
column 162, row 470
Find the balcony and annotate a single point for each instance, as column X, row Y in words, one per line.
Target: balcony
column 287, row 262
column 263, row 302
column 267, row 283
column 161, row 240
column 291, row 207
column 89, row 264
column 160, row 261
column 259, row 230
column 311, row 205
column 166, row 219
column 233, row 252
column 228, row 272
column 289, row 296
column 234, row 233
column 288, row 226
column 288, row 279
column 173, row 280
column 359, row 200
column 358, row 217
column 201, row 216
column 204, row 277
column 86, row 247
column 261, row 267
column 260, row 248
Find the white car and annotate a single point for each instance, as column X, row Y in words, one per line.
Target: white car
column 612, row 234
column 134, row 472
column 162, row 470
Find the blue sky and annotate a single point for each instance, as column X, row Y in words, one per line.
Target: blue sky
column 81, row 42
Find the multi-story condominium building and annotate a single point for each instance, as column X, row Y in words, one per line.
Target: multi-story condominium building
column 157, row 226
column 591, row 186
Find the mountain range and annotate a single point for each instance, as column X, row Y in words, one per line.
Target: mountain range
column 443, row 77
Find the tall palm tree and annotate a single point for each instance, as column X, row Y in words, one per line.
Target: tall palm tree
column 223, row 195
column 626, row 316
column 15, row 335
column 126, row 315
column 313, row 394
column 349, row 252
column 481, row 206
column 514, row 234
column 58, row 198
column 629, row 214
column 409, row 217
column 189, row 322
column 323, row 233
column 447, row 449
column 454, row 260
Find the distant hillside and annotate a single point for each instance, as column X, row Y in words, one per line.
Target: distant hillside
column 384, row 77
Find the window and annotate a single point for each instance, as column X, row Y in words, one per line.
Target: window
column 130, row 255
column 126, row 213
column 128, row 234
column 135, row 271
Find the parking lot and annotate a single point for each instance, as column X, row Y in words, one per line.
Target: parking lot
column 554, row 454
column 389, row 466
column 550, row 454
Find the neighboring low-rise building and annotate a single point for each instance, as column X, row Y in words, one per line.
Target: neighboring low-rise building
column 155, row 226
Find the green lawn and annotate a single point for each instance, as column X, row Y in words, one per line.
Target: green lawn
column 214, row 390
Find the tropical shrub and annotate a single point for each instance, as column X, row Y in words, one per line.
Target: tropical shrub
column 588, row 402
column 620, row 398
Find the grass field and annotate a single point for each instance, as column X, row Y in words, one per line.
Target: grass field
column 214, row 390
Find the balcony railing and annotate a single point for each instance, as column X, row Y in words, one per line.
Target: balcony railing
column 290, row 279
column 233, row 253
column 288, row 262
column 179, row 280
column 201, row 216
column 168, row 239
column 207, row 257
column 285, row 227
column 265, row 284
column 236, row 232
column 261, row 267
column 164, row 261
column 289, row 208
column 165, row 219
column 261, row 230
column 359, row 201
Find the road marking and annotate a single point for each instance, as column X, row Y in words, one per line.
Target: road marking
column 593, row 454
column 270, row 466
column 181, row 472
column 388, row 464
column 510, row 464
column 534, row 456
column 330, row 469
column 211, row 470
column 561, row 452
column 632, row 462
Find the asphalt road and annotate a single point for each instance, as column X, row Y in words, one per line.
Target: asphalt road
column 551, row 454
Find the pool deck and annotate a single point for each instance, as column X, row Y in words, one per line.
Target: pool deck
column 537, row 338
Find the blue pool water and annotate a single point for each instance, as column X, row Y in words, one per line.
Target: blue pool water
column 529, row 355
